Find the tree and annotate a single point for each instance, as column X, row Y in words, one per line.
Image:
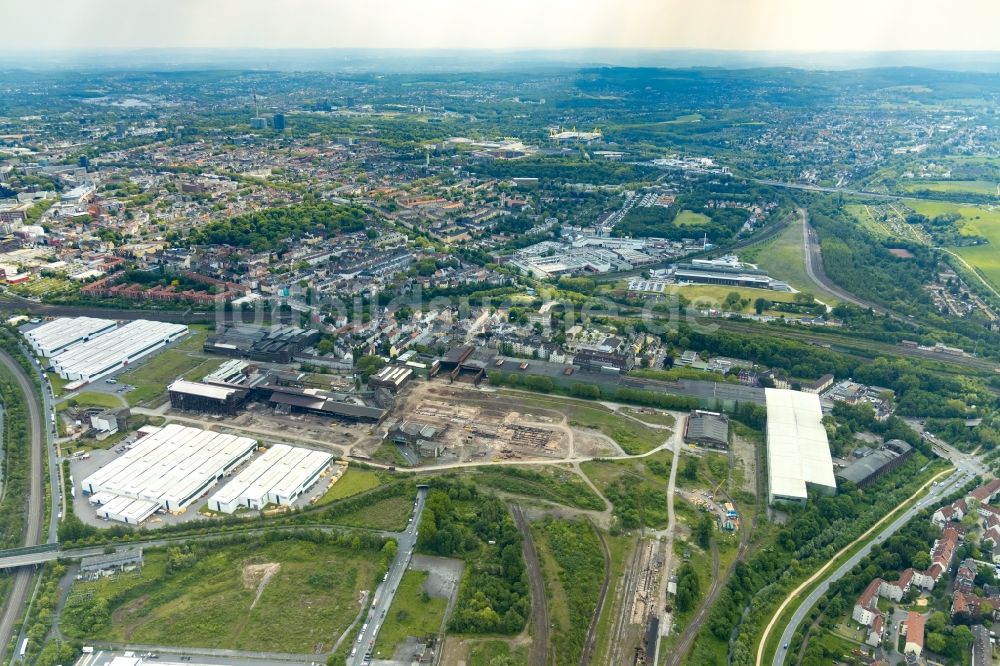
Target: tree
column 936, row 642
column 702, row 531
column 369, row 365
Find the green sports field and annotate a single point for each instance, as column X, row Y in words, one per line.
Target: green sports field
column 689, row 218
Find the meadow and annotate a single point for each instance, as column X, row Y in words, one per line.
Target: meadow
column 287, row 595
column 689, row 218
column 951, row 186
column 975, row 221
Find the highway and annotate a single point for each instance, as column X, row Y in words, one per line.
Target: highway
column 386, row 590
column 966, row 468
column 19, row 591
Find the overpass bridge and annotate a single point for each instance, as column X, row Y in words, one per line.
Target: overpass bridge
column 14, row 558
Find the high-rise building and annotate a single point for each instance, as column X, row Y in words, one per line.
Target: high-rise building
column 258, row 123
column 278, row 122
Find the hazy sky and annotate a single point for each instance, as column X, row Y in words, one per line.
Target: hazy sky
column 799, row 25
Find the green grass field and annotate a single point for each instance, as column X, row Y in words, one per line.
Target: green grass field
column 352, row 482
column 783, row 259
column 552, row 483
column 153, row 376
column 635, row 487
column 206, row 598
column 689, row 218
column 975, row 221
column 711, row 295
column 687, row 118
column 413, row 613
column 388, row 514
column 91, row 399
column 949, row 186
column 489, row 653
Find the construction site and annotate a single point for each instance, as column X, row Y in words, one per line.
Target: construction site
column 456, row 424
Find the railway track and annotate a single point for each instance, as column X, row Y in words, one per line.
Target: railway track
column 538, row 654
column 591, row 641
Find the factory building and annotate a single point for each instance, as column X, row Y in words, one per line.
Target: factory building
column 798, row 452
column 707, row 428
column 869, row 468
column 169, row 469
column 279, row 476
column 275, row 344
column 391, row 377
column 602, row 361
column 323, row 403
column 202, row 397
column 60, row 334
column 115, row 349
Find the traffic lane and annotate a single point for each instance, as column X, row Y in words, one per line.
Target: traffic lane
column 386, row 590
column 813, row 597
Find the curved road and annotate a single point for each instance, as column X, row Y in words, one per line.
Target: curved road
column 814, row 268
column 36, row 506
column 965, row 471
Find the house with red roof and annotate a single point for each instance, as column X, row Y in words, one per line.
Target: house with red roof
column 866, row 607
column 914, row 625
column 985, row 493
column 895, row 590
column 875, row 631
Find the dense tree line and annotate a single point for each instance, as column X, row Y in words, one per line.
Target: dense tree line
column 576, row 551
column 274, row 228
column 688, row 588
column 458, row 521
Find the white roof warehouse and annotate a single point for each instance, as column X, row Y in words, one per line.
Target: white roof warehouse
column 279, row 476
column 57, row 335
column 115, row 349
column 798, row 453
column 172, row 466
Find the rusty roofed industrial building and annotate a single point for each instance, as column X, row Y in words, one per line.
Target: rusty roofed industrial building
column 707, row 429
